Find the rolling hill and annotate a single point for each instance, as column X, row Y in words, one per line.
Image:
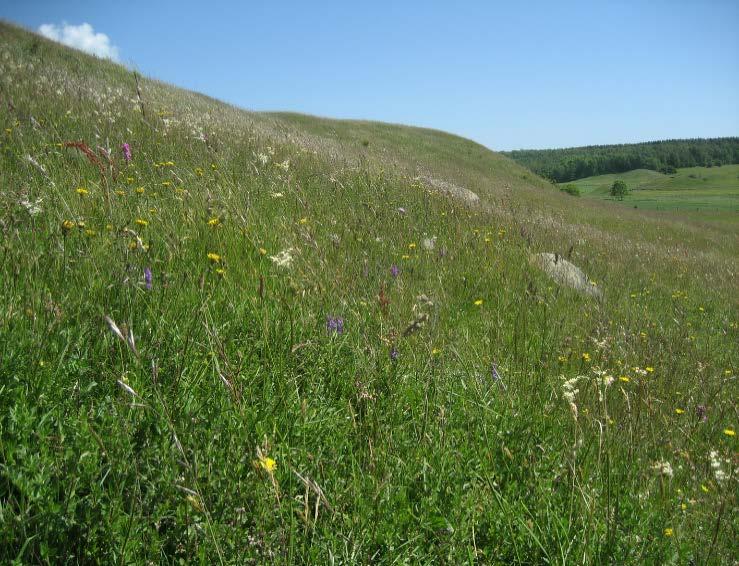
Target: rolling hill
column 236, row 337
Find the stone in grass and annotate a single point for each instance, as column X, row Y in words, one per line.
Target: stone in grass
column 565, row 273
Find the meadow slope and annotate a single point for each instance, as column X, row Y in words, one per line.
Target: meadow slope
column 247, row 338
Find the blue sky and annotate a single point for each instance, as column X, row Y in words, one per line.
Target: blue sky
column 507, row 74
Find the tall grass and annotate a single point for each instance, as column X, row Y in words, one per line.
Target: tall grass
column 468, row 410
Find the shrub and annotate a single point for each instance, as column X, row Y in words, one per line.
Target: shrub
column 571, row 189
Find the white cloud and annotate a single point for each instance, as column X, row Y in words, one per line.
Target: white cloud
column 81, row 37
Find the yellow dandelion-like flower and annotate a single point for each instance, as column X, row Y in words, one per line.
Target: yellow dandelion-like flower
column 120, row 193
column 90, row 233
column 624, row 378
column 679, row 411
column 220, row 271
column 213, row 166
column 142, row 222
column 435, row 352
column 669, row 532
column 704, row 489
column 262, row 251
column 561, row 359
column 133, row 245
column 412, row 246
column 215, row 258
column 166, row 183
column 140, row 191
column 683, row 506
column 82, row 191
column 729, row 432
column 266, row 463
column 585, row 357
column 214, row 222
column 80, row 224
column 649, row 369
column 304, row 221
column 130, row 180
column 109, row 227
column 199, row 171
column 405, row 256
column 478, row 302
column 67, row 225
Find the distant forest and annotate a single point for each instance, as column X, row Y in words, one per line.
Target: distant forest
column 562, row 165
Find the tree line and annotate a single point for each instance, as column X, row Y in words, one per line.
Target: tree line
column 568, row 164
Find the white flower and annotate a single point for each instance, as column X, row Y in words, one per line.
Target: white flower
column 33, row 208
column 285, row 165
column 429, row 243
column 283, row 259
column 718, row 471
column 663, row 468
column 276, row 195
column 263, row 158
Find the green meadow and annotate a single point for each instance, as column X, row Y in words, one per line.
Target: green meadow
column 702, row 189
column 231, row 337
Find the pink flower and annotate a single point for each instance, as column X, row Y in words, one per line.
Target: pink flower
column 126, row 152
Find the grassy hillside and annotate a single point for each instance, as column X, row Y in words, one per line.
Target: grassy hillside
column 285, row 339
column 688, row 189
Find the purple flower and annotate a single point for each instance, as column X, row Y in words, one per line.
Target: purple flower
column 334, row 324
column 394, row 354
column 147, row 278
column 126, row 152
column 394, row 270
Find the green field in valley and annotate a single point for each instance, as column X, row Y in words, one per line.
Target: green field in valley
column 689, row 189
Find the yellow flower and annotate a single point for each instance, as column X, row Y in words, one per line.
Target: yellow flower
column 130, row 180
column 133, row 245
column 220, row 271
column 82, row 191
column 561, row 359
column 121, row 193
column 649, row 369
column 704, row 489
column 266, row 463
column 683, row 506
column 199, row 171
column 140, row 191
column 679, row 411
column 142, row 222
column 262, row 251
column 166, row 183
column 435, row 352
column 67, row 225
column 215, row 258
column 213, row 166
column 405, row 256
column 90, row 233
column 478, row 302
column 585, row 357
column 214, row 222
column 304, row 221
column 729, row 432
column 412, row 246
column 624, row 379
column 668, row 532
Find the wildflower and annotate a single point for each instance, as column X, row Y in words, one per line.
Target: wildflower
column 199, row 171
column 561, row 359
column 140, row 191
column 266, row 463
column 718, row 471
column 679, row 411
column 405, row 256
column 126, row 152
column 120, row 193
column 663, row 468
column 334, row 324
column 478, row 303
column 729, row 432
column 276, row 195
column 262, row 251
column 401, row 210
column 394, row 354
column 82, row 191
column 33, row 208
column 147, row 278
column 142, row 222
column 394, row 271
column 412, row 246
column 67, row 225
column 624, row 378
column 215, row 258
column 435, row 352
column 649, row 369
column 90, row 233
column 668, row 532
column 220, row 271
column 283, row 259
column 214, row 222
column 585, row 357
column 704, row 489
column 429, row 243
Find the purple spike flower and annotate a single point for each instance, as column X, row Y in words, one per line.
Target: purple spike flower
column 394, row 270
column 126, row 152
column 394, row 354
column 334, row 324
column 147, row 278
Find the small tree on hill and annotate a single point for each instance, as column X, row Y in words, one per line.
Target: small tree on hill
column 619, row 189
